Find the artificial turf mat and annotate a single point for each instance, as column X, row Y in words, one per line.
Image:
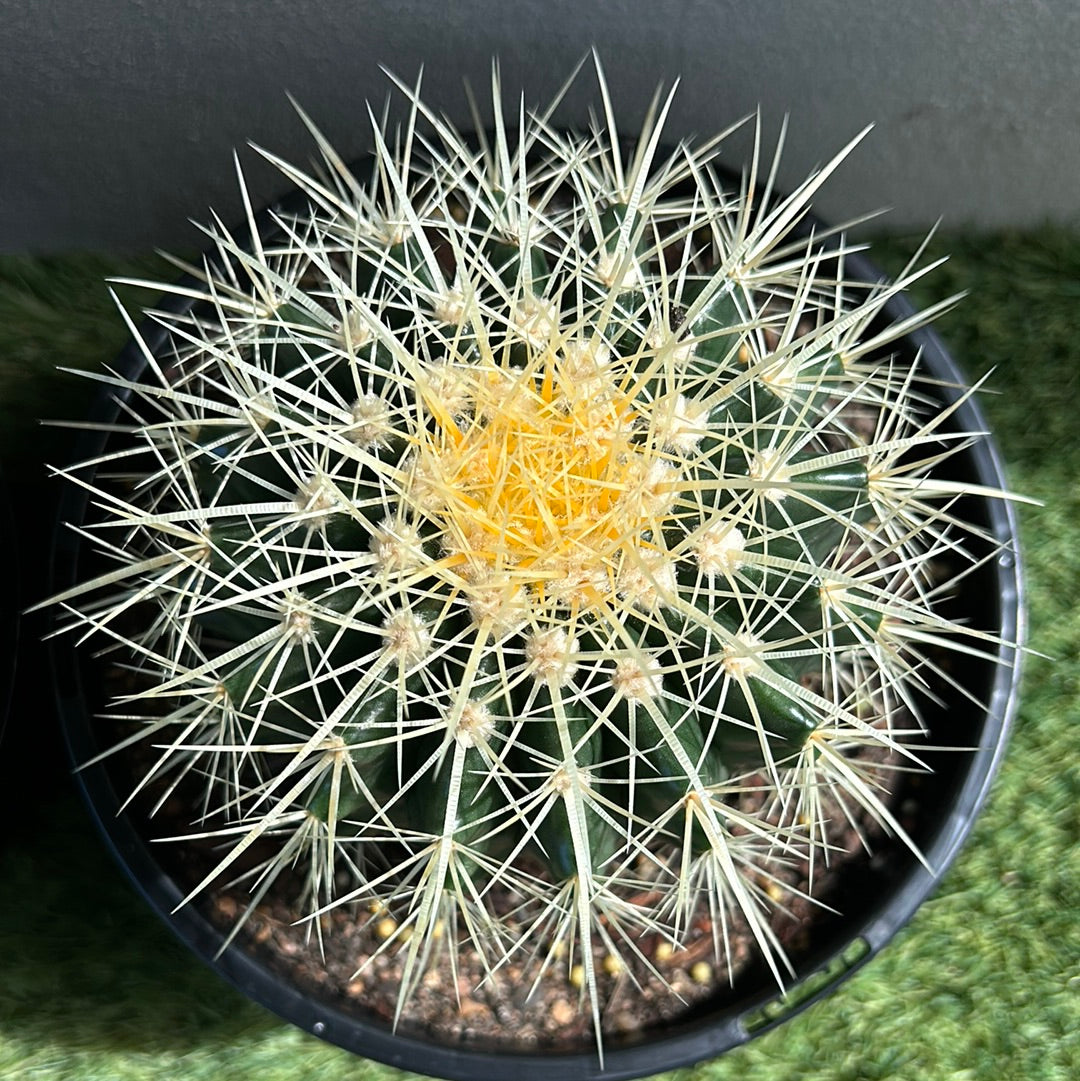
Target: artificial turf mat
column 984, row 983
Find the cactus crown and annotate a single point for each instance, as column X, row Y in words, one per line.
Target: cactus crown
column 501, row 518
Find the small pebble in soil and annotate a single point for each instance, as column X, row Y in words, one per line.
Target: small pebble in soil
column 775, row 891
column 612, row 965
column 562, row 1013
column 472, row 1010
column 701, row 973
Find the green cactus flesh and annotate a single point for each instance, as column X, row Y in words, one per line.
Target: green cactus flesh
column 600, row 533
column 508, row 517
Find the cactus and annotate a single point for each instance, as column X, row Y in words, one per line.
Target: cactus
column 502, row 515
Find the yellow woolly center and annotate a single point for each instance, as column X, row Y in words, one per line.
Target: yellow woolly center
column 540, row 475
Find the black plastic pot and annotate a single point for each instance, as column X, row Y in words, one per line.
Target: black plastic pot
column 877, row 897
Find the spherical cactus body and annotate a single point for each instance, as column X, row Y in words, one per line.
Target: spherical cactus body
column 503, row 516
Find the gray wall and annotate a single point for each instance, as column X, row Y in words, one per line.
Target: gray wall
column 119, row 116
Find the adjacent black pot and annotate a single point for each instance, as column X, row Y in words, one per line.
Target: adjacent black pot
column 877, row 896
column 9, row 606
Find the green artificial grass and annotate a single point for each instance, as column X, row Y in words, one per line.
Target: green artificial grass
column 985, row 981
